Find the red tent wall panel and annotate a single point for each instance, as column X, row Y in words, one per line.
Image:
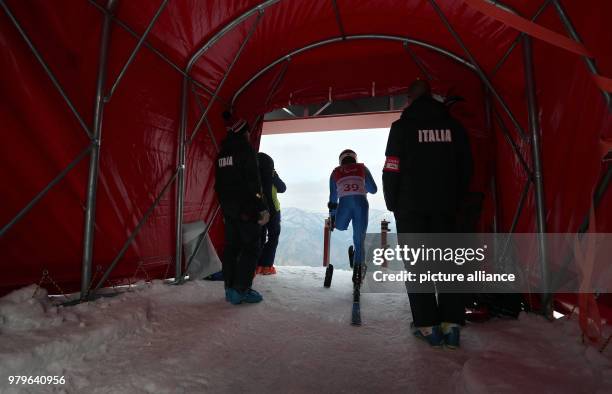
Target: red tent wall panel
column 40, row 138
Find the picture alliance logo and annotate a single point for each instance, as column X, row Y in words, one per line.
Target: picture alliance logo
column 412, row 255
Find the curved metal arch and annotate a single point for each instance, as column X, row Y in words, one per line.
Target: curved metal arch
column 355, row 37
column 260, row 8
column 227, row 28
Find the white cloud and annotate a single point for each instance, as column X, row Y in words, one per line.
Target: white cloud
column 305, row 160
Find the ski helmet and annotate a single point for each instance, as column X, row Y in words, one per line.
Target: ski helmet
column 347, row 153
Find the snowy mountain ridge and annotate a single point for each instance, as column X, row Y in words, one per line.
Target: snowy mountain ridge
column 301, row 239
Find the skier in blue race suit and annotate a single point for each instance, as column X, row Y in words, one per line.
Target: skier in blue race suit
column 348, row 185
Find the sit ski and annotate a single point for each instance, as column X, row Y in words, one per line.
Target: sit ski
column 358, row 272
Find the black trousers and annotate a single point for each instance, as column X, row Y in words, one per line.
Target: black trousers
column 241, row 251
column 426, row 309
column 270, row 234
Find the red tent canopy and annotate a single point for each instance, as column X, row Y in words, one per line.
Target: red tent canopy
column 76, row 93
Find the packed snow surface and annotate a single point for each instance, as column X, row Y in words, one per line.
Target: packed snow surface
column 187, row 339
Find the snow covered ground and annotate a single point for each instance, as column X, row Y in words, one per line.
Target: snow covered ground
column 187, row 339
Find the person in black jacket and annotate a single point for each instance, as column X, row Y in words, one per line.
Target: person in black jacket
column 271, row 184
column 425, row 177
column 239, row 191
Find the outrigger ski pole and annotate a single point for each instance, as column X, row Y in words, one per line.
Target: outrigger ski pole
column 329, row 272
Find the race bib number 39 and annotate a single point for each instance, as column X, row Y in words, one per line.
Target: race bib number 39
column 350, row 185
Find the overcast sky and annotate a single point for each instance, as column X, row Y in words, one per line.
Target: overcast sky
column 304, row 161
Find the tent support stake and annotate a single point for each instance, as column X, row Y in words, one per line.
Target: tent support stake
column 94, row 158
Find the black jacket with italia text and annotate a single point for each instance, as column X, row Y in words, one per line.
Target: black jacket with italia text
column 429, row 161
column 237, row 180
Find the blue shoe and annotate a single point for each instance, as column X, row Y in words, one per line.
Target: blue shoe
column 251, row 296
column 434, row 336
column 233, row 296
column 451, row 337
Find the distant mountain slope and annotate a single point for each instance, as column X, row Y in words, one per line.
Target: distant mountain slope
column 301, row 240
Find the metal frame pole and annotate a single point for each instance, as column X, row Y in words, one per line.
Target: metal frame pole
column 227, row 28
column 132, row 56
column 516, row 217
column 134, row 233
column 94, row 162
column 48, row 71
column 229, row 70
column 534, row 126
column 180, row 185
column 183, row 141
column 323, row 108
column 574, row 34
column 208, row 128
column 277, row 81
column 513, row 145
column 46, row 189
column 488, row 107
column 518, row 39
column 153, row 50
column 417, row 61
column 338, row 18
column 478, row 69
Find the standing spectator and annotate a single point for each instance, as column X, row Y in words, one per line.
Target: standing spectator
column 271, row 184
column 244, row 210
column 425, row 177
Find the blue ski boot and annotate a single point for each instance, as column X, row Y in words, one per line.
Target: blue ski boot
column 234, row 296
column 451, row 333
column 251, row 296
column 432, row 335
